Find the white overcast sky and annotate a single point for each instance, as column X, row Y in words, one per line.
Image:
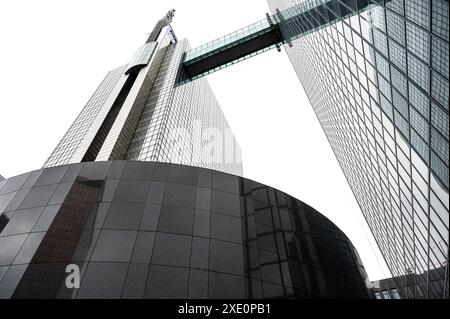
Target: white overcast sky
column 53, row 55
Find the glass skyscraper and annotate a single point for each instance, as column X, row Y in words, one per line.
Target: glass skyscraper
column 113, row 204
column 377, row 76
column 141, row 111
column 376, row 73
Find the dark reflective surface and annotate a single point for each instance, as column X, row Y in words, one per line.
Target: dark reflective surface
column 383, row 68
column 155, row 230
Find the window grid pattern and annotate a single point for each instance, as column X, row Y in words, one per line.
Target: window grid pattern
column 176, row 118
column 392, row 151
column 158, row 230
column 142, row 55
column 157, row 107
column 66, row 148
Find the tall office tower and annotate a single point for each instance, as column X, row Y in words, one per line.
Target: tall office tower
column 141, row 112
column 377, row 75
column 388, row 288
column 108, row 217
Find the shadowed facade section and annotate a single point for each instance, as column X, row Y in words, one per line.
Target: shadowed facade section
column 158, row 230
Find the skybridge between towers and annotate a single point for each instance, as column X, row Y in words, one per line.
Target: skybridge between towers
column 272, row 32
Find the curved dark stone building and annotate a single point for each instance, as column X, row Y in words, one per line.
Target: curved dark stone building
column 157, row 230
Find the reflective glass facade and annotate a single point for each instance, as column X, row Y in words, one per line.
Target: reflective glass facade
column 141, row 112
column 70, row 142
column 157, row 230
column 142, row 56
column 389, row 288
column 178, row 119
column 377, row 78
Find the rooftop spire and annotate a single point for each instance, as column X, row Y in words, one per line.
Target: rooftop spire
column 169, row 15
column 161, row 24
